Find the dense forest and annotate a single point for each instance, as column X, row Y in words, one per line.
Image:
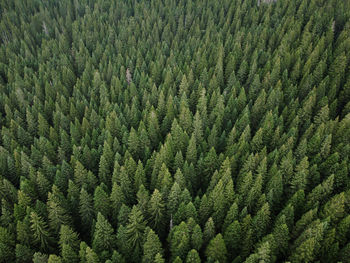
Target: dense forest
column 174, row 131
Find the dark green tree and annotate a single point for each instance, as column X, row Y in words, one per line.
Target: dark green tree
column 216, row 250
column 135, row 233
column 193, row 257
column 152, row 246
column 156, row 211
column 104, row 238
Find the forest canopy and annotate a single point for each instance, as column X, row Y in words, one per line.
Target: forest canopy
column 174, row 131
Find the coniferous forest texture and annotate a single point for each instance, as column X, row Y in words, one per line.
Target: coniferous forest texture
column 174, row 131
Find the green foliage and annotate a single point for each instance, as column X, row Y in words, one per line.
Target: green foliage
column 54, row 259
column 156, row 210
column 197, row 238
column 40, row 257
column 193, row 257
column 174, row 131
column 101, row 201
column 216, row 250
column 86, row 210
column 180, row 241
column 152, row 247
column 58, row 214
column 104, row 239
column 7, row 244
column 135, row 233
column 40, row 231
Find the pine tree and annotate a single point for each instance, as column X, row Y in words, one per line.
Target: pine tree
column 40, row 257
column 116, row 257
column 153, row 128
column 7, row 245
column 180, row 241
column 126, row 186
column 152, row 246
column 54, row 259
column 140, row 177
column 86, row 210
column 40, row 231
column 159, row 259
column 193, row 257
column 156, row 210
column 197, row 238
column 216, row 250
column 104, row 171
column 58, row 215
column 68, row 237
column 143, row 199
column 91, row 256
column 334, row 208
column 101, row 201
column 209, row 230
column 300, row 178
column 178, row 260
column 43, row 126
column 191, row 155
column 68, row 254
column 134, row 144
column 117, row 199
column 261, row 220
column 135, row 233
column 104, row 238
column 304, row 253
column 185, row 116
column 231, row 215
column 174, row 199
column 197, row 128
column 232, row 237
column 23, row 253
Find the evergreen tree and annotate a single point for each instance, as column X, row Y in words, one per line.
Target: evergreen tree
column 156, row 210
column 159, row 259
column 191, row 155
column 135, row 233
column 86, row 210
column 180, row 131
column 193, row 257
column 104, row 238
column 180, row 241
column 58, row 215
column 101, row 201
column 7, row 246
column 152, row 247
column 216, row 250
column 68, row 237
column 197, row 238
column 40, row 231
column 209, row 230
column 54, row 259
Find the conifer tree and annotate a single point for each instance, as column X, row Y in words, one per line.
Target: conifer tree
column 104, row 238
column 156, row 210
column 180, row 241
column 193, row 257
column 7, row 242
column 101, row 201
column 216, row 250
column 86, row 210
column 152, row 247
column 209, row 230
column 174, row 131
column 40, row 231
column 135, row 233
column 58, row 215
